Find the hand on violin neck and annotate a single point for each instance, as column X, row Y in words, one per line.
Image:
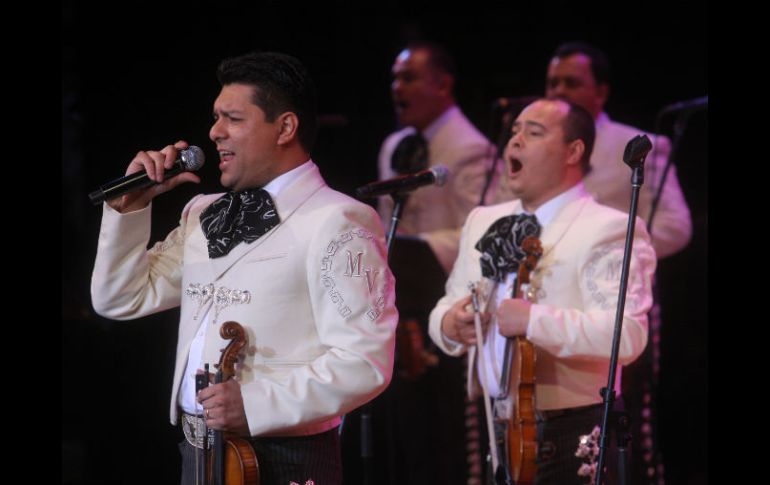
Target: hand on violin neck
column 457, row 323
column 513, row 317
column 223, row 407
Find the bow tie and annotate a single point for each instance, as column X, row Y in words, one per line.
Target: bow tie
column 500, row 246
column 237, row 217
column 410, row 155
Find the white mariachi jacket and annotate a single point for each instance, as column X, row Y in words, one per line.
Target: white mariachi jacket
column 314, row 294
column 576, row 283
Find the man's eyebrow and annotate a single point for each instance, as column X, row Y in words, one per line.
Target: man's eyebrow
column 223, row 112
column 530, row 123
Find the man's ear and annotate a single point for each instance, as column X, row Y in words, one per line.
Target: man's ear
column 576, row 149
column 603, row 92
column 445, row 83
column 288, row 123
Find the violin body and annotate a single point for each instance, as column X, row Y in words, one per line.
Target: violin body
column 522, row 427
column 240, row 465
column 233, row 460
column 518, row 385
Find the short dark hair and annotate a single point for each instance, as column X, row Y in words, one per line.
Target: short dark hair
column 439, row 57
column 579, row 125
column 281, row 84
column 600, row 66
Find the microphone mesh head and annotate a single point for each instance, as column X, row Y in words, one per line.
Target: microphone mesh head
column 637, row 149
column 192, row 158
column 441, row 173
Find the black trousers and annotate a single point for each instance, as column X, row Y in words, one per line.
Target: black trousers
column 285, row 459
column 558, row 438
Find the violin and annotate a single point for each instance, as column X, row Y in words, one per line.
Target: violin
column 232, row 460
column 517, row 385
column 412, row 355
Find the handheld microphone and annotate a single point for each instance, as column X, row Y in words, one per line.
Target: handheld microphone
column 190, row 159
column 689, row 105
column 435, row 175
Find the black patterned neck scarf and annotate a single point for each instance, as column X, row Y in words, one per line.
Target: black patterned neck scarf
column 237, row 217
column 500, row 246
column 410, row 155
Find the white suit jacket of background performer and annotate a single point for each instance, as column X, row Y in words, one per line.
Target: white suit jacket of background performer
column 435, row 213
column 610, row 183
column 320, row 319
column 576, row 283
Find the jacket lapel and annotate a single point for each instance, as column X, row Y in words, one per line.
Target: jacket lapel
column 556, row 229
column 551, row 235
column 287, row 201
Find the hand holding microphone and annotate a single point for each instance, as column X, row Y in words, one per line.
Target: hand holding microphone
column 149, row 174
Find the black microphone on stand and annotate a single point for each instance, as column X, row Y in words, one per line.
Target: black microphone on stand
column 435, row 175
column 505, row 103
column 634, row 156
column 396, row 187
column 502, row 115
column 683, row 109
column 696, row 104
column 190, row 159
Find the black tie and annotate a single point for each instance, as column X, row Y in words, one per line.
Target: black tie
column 500, row 246
column 237, row 217
column 410, row 155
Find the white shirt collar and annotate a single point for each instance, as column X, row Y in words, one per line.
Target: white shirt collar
column 275, row 186
column 431, row 130
column 602, row 119
column 546, row 212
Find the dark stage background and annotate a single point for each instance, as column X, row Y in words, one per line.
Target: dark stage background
column 140, row 76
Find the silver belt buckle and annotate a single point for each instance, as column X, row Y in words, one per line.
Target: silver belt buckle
column 503, row 409
column 194, row 429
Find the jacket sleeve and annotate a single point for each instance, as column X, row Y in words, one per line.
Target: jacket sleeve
column 128, row 280
column 586, row 333
column 672, row 224
column 352, row 294
column 463, row 272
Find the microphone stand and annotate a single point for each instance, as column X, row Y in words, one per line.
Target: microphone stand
column 511, row 107
column 651, row 354
column 367, row 453
column 398, row 208
column 635, row 153
column 506, row 119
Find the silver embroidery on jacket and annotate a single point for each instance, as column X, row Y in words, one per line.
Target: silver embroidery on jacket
column 223, row 297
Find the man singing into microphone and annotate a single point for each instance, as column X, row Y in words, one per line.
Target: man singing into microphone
column 568, row 309
column 422, row 89
column 301, row 267
column 428, row 406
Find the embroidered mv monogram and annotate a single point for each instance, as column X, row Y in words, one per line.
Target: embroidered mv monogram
column 371, row 274
column 354, row 264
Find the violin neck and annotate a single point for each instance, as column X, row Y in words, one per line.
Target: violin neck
column 218, row 448
column 218, row 459
column 505, row 377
